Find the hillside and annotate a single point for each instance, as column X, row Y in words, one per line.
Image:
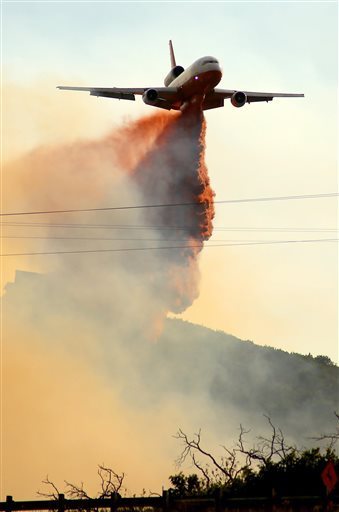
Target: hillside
column 299, row 392
column 198, row 377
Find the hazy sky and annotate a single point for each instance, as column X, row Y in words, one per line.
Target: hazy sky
column 280, row 295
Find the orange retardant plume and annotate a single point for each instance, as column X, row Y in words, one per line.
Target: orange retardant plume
column 173, row 171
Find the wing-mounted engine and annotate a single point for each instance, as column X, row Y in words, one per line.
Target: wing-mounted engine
column 151, row 97
column 238, row 99
column 173, row 74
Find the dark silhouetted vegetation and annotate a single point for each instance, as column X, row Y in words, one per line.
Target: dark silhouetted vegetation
column 299, row 474
column 270, row 467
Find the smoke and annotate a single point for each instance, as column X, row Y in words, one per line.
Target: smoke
column 156, row 160
column 174, row 172
column 77, row 336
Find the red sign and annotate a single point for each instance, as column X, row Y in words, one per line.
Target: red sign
column 329, row 476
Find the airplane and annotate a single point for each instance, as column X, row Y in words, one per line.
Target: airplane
column 184, row 88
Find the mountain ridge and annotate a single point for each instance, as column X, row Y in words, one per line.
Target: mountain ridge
column 299, row 392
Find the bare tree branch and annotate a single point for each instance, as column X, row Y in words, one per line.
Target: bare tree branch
column 332, row 438
column 76, row 491
column 110, row 483
column 202, row 470
column 190, row 446
column 228, row 467
column 52, row 494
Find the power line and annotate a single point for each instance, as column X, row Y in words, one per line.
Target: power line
column 166, row 205
column 278, row 229
column 130, row 249
column 91, row 226
column 163, row 227
column 124, row 239
column 115, row 239
column 88, row 238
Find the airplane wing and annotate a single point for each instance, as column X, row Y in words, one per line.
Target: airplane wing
column 167, row 95
column 253, row 96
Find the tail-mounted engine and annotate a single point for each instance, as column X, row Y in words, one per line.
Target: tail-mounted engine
column 173, row 74
column 238, row 99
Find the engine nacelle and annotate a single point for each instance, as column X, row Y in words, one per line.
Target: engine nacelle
column 174, row 73
column 238, row 99
column 150, row 97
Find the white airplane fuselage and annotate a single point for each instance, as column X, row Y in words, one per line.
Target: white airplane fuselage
column 197, row 80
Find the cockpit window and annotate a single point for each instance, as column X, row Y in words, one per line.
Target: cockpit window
column 210, row 61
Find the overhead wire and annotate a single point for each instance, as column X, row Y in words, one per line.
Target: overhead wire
column 115, row 239
column 124, row 239
column 211, row 243
column 163, row 227
column 191, row 246
column 167, row 205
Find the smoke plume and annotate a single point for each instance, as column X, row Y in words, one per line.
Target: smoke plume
column 95, row 312
column 156, row 160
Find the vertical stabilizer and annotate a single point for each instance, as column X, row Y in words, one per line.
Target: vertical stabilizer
column 173, row 63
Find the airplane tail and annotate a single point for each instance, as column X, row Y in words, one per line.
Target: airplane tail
column 173, row 63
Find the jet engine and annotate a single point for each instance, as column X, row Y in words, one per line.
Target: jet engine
column 238, row 99
column 150, row 97
column 174, row 73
